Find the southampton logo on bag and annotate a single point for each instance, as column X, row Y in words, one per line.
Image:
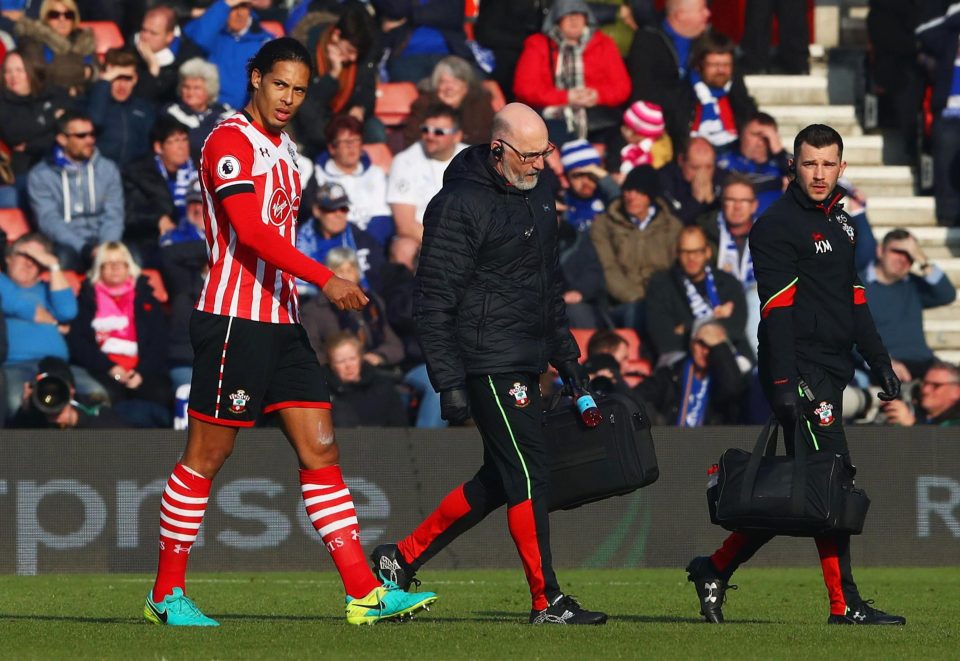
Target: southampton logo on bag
column 519, row 392
column 238, row 401
column 824, row 414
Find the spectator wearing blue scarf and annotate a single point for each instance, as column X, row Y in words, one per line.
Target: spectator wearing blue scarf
column 156, row 188
column 329, row 228
column 591, row 188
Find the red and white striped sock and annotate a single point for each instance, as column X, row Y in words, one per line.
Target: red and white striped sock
column 330, row 508
column 182, row 507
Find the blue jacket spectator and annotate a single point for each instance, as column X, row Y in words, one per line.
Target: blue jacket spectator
column 897, row 298
column 230, row 35
column 76, row 195
column 759, row 154
column 123, row 120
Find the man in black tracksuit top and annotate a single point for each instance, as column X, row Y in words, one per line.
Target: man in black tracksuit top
column 813, row 312
column 490, row 316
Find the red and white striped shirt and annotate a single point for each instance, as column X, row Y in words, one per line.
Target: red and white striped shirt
column 240, row 157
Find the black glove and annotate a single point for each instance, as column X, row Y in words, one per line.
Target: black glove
column 786, row 404
column 887, row 380
column 455, row 406
column 572, row 376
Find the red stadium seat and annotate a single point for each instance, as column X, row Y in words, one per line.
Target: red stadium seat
column 106, row 34
column 14, row 223
column 156, row 283
column 75, row 279
column 379, row 154
column 273, row 27
column 497, row 99
column 394, row 101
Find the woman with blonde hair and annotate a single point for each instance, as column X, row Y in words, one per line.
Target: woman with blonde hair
column 120, row 336
column 58, row 45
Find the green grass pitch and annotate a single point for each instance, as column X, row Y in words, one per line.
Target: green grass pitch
column 776, row 613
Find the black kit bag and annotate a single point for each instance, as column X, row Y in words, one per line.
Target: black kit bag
column 588, row 464
column 803, row 495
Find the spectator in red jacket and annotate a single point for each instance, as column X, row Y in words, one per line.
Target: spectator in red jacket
column 573, row 74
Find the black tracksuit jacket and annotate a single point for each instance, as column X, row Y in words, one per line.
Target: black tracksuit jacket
column 813, row 305
column 488, row 286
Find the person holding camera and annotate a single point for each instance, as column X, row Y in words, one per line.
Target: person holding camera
column 814, row 311
column 938, row 403
column 37, row 314
column 50, row 401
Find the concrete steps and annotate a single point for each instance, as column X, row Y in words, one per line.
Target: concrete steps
column 950, row 313
column 881, row 180
column 908, row 212
column 792, row 118
column 942, row 334
column 788, row 90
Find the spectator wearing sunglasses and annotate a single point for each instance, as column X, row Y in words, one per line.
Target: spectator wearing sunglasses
column 76, row 194
column 416, row 174
column 900, row 285
column 59, row 46
column 936, row 402
column 122, row 119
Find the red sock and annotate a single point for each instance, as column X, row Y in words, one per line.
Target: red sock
column 724, row 555
column 331, row 510
column 453, row 507
column 181, row 512
column 830, row 565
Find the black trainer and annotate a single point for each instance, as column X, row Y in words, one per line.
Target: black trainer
column 711, row 588
column 865, row 613
column 566, row 610
column 389, row 565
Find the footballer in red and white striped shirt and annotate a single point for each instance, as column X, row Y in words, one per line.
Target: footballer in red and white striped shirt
column 252, row 356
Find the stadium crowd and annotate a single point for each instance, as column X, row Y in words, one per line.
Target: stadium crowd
column 662, row 162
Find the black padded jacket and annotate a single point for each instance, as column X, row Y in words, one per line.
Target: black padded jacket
column 488, row 288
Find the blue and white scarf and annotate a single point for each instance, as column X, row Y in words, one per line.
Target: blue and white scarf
column 713, row 118
column 696, row 397
column 729, row 258
column 179, row 185
column 699, row 307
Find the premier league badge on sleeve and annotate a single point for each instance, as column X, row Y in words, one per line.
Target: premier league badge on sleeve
column 824, row 414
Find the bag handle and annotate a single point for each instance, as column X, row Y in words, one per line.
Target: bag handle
column 766, row 446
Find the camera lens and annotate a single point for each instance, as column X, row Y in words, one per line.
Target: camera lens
column 50, row 394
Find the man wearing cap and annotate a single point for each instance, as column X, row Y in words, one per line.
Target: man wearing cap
column 634, row 238
column 328, row 228
column 591, row 188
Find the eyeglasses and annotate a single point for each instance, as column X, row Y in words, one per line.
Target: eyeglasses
column 529, row 158
column 83, row 135
column 936, row 385
column 691, row 251
column 739, row 200
column 437, row 130
column 53, row 14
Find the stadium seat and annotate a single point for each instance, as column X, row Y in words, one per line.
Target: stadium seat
column 394, row 101
column 14, row 223
column 156, row 283
column 273, row 27
column 379, row 154
column 106, row 34
column 75, row 279
column 497, row 99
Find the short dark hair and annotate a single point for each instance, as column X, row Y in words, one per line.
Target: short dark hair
column 342, row 122
column 938, row 364
column 443, row 110
column 710, row 43
column 604, row 341
column 898, row 234
column 817, row 136
column 32, row 237
column 35, row 74
column 63, row 121
column 166, row 126
column 762, row 118
column 356, row 26
column 120, row 57
column 738, row 178
column 284, row 49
